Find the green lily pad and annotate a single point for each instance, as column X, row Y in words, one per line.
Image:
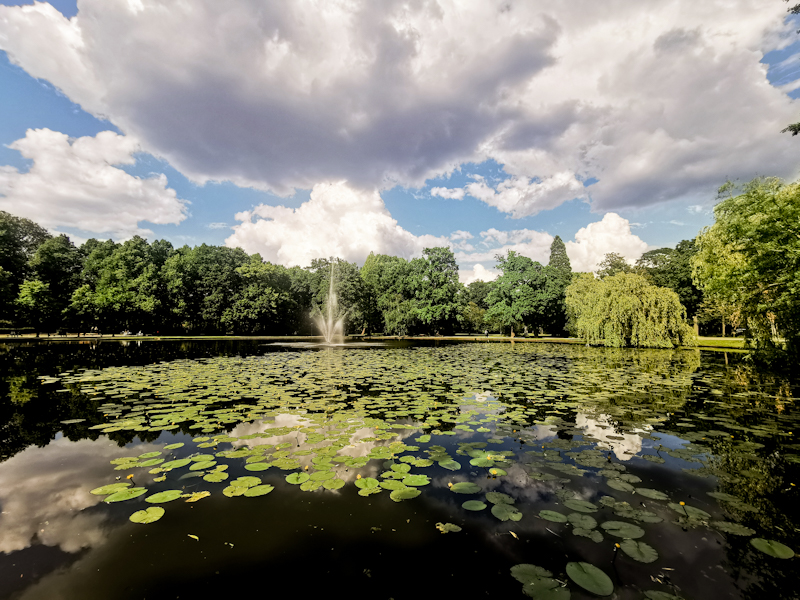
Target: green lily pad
column 506, row 512
column 203, row 465
column 592, row 534
column 400, row 468
column 448, row 527
column 473, row 505
column 257, row 466
column 546, row 588
column 111, row 488
column 258, row 490
column 620, row 485
column 416, row 480
column 465, row 487
column 392, row 484
column 165, row 496
column 527, row 573
column 732, row 528
column 127, row 494
column 235, row 490
column 723, row 496
column 215, row 476
column 590, row 578
column 404, row 494
column 150, row 454
column 297, row 478
column 639, row 551
column 499, row 498
column 653, row 494
column 772, row 548
column 150, row 462
column 173, row 447
column 580, row 505
column 148, row 515
column 689, row 511
column 581, row 521
column 623, row 530
column 553, row 516
column 333, row 484
column 246, row 482
column 366, row 483
column 370, row 491
column 322, row 475
column 176, row 464
column 450, row 465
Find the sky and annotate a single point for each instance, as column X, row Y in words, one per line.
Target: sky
column 300, row 129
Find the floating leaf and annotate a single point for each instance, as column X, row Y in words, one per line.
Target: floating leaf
column 499, row 498
column 590, row 578
column 689, row 511
column 465, row 487
column 580, row 505
column 366, row 483
column 258, row 490
column 392, row 484
column 246, row 482
column 148, row 515
column 195, row 496
column 165, row 496
column 620, row 485
column 448, row 527
column 732, row 528
column 150, row 463
column 581, row 521
column 234, row 490
column 623, row 530
column 257, row 466
column 639, row 551
column 504, row 512
column 174, row 446
column 333, row 484
column 404, row 494
column 592, row 534
column 150, row 454
column 450, row 465
column 654, row 494
column 176, row 464
column 552, row 515
column 111, row 488
column 215, row 477
column 127, row 494
column 473, row 505
column 723, row 496
column 203, row 465
column 772, row 548
column 297, row 478
column 416, row 480
column 527, row 573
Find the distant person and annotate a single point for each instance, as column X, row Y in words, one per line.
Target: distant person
column 486, row 331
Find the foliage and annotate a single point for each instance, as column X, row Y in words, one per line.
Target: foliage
column 613, row 264
column 436, row 289
column 625, row 310
column 750, row 259
column 558, row 274
column 347, row 285
column 672, row 269
column 19, row 238
column 518, row 298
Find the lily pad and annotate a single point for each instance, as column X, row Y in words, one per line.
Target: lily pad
column 258, row 490
column 257, row 466
column 450, row 465
column 150, row 454
column 653, row 494
column 246, row 482
column 592, row 534
column 527, row 573
column 473, row 505
column 215, row 476
column 465, row 487
column 689, row 511
column 623, row 530
column 111, row 488
column 732, row 528
column 165, row 496
column 176, row 464
column 333, row 484
column 639, row 551
column 583, row 506
column 499, row 498
column 772, row 548
column 448, row 527
column 506, row 512
column 235, row 490
column 553, row 516
column 127, row 494
column 148, row 515
column 203, row 465
column 404, row 494
column 620, row 485
column 581, row 521
column 590, row 578
column 366, row 483
column 416, row 480
column 297, row 478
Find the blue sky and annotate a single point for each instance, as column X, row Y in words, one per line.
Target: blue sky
column 490, row 146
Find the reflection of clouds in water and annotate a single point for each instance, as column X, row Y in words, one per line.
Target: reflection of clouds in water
column 599, row 427
column 44, row 490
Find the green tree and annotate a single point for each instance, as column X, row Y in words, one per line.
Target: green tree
column 558, row 275
column 477, row 292
column 519, row 298
column 436, row 290
column 58, row 264
column 19, row 239
column 348, row 287
column 750, row 258
column 35, row 304
column 612, row 264
column 672, row 268
column 625, row 310
column 388, row 297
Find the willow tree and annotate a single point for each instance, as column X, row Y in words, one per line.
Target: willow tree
column 625, row 310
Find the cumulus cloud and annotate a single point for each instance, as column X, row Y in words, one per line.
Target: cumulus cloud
column 477, row 273
column 528, row 242
column 74, row 183
column 287, row 95
column 452, row 193
column 337, row 220
column 593, row 242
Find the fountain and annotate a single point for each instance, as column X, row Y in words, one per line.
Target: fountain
column 331, row 325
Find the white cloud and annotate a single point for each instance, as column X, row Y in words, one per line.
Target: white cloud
column 593, row 242
column 73, row 184
column 452, row 193
column 658, row 100
column 477, row 273
column 338, row 220
column 530, row 243
column 218, row 226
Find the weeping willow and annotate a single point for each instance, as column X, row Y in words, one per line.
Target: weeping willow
column 625, row 310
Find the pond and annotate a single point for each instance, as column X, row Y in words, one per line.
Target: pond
column 467, row 470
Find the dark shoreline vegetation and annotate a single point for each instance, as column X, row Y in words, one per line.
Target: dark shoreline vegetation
column 145, row 467
column 740, row 275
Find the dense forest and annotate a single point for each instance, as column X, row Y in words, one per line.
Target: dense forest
column 739, row 274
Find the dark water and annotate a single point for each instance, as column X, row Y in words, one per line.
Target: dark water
column 571, row 420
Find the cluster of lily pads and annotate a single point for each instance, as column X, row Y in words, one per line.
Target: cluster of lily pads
column 323, row 418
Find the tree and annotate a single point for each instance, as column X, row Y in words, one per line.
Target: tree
column 477, row 292
column 558, row 275
column 625, row 310
column 436, row 289
column 35, row 304
column 667, row 267
column 347, row 285
column 612, row 264
column 388, row 297
column 57, row 263
column 518, row 298
column 19, row 239
column 750, row 258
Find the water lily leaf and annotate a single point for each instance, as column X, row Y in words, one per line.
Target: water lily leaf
column 650, row 493
column 234, row 490
column 258, row 490
column 366, row 483
column 400, row 468
column 450, row 465
column 448, row 527
column 465, row 487
column 127, row 494
column 257, row 466
column 473, row 505
column 165, row 496
column 150, row 454
column 246, row 482
column 174, row 446
column 590, row 578
column 639, row 551
column 215, row 477
column 580, row 505
column 203, row 465
column 322, row 475
column 416, row 480
column 111, row 488
column 772, row 548
column 195, row 496
column 546, row 588
column 481, row 462
column 310, row 485
column 581, row 521
column 504, row 512
column 620, row 485
column 149, row 463
column 553, row 516
column 423, row 439
column 148, row 515
column 297, row 478
column 333, row 484
column 370, row 491
column 176, row 464
column 623, row 530
column 527, row 573
column 392, row 484
column 689, row 511
column 732, row 528
column 498, row 472
column 592, row 534
column 404, row 494
column 499, row 498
